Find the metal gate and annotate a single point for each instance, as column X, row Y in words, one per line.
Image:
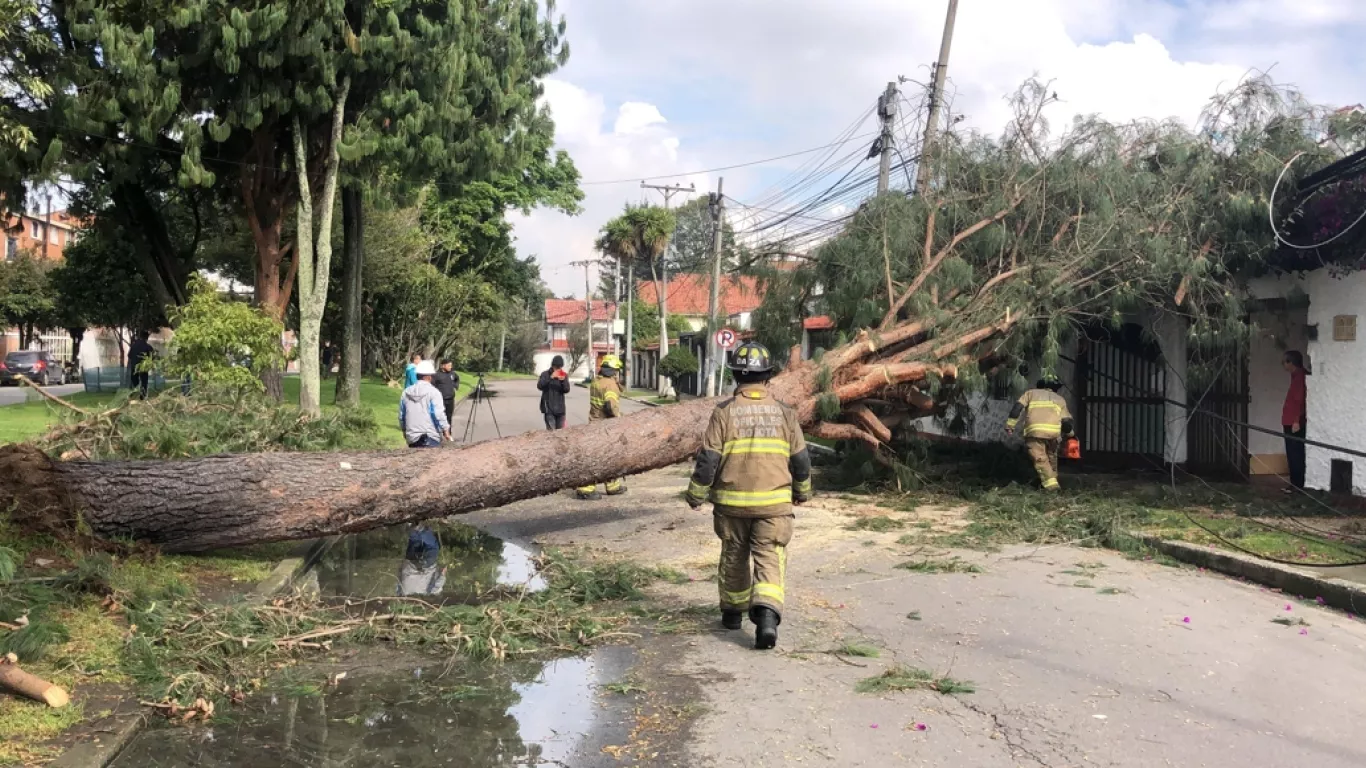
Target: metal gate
column 1216, row 434
column 1122, row 384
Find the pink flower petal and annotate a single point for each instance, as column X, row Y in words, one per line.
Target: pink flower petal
column 921, row 726
column 874, row 725
column 1187, row 620
column 1287, row 606
column 1304, row 631
column 1319, row 600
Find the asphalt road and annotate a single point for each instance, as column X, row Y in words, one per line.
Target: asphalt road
column 515, row 407
column 20, row 394
column 1078, row 657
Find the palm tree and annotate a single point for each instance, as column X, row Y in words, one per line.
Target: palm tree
column 641, row 234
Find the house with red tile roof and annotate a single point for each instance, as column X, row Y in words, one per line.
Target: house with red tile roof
column 562, row 316
column 689, row 296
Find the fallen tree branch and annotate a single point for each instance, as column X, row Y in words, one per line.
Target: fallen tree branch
column 43, row 391
column 16, row 680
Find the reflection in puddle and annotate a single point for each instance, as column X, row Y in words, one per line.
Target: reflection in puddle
column 454, row 561
column 416, row 717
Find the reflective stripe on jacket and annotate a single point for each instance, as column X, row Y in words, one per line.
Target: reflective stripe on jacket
column 604, row 399
column 753, row 461
column 1045, row 414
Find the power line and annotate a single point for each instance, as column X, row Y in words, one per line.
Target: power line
column 723, row 167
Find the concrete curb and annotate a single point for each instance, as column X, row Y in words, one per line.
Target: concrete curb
column 1339, row 593
column 100, row 752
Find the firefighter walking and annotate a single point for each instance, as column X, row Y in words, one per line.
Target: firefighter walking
column 1046, row 422
column 753, row 466
column 604, row 402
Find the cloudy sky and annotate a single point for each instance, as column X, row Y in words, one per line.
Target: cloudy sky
column 660, row 87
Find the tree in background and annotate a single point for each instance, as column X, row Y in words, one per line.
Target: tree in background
column 679, row 362
column 459, row 108
column 694, row 240
column 222, row 343
column 27, row 299
column 100, row 284
column 579, row 350
column 412, row 306
column 640, row 235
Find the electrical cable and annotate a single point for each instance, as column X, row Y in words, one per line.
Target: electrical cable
column 1271, row 213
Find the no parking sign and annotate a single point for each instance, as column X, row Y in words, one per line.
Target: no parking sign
column 726, row 338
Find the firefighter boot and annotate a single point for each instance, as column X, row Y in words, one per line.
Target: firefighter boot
column 616, row 487
column 765, row 627
column 588, row 493
column 732, row 619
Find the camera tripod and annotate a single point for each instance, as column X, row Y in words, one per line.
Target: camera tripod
column 480, row 393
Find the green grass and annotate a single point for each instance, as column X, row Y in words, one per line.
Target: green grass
column 380, row 399
column 904, row 678
column 951, row 565
column 860, row 650
column 25, row 421
column 880, row 524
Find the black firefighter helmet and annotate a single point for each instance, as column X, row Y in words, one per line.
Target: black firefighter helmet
column 751, row 357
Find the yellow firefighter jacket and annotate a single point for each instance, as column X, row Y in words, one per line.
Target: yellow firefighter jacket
column 604, row 399
column 753, row 461
column 1045, row 415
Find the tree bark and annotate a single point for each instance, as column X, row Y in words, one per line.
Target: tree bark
column 225, row 501
column 16, row 680
column 353, row 267
column 313, row 251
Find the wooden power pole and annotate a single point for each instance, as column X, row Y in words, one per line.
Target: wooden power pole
column 718, row 208
column 886, row 111
column 668, row 191
column 922, row 179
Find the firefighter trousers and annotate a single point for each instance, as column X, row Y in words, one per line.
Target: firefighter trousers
column 753, row 568
column 1044, row 454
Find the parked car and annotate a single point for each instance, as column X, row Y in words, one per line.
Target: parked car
column 39, row 367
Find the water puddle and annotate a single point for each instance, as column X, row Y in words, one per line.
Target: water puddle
column 453, row 561
column 412, row 715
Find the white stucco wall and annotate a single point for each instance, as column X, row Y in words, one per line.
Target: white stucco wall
column 1171, row 339
column 1336, row 401
column 1274, row 333
column 543, row 358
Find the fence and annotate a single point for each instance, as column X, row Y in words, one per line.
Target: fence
column 114, row 378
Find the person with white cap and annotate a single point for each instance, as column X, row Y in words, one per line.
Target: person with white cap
column 421, row 413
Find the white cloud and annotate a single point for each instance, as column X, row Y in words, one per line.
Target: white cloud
column 708, row 83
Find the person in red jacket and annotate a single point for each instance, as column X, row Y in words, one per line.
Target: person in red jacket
column 1292, row 418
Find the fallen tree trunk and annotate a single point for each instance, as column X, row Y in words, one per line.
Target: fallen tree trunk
column 234, row 500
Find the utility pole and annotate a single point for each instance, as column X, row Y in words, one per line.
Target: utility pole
column 922, row 179
column 668, row 191
column 718, row 208
column 616, row 308
column 588, row 306
column 629, row 362
column 886, row 110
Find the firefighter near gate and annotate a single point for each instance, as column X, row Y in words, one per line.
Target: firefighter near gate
column 604, row 402
column 753, row 467
column 1046, row 423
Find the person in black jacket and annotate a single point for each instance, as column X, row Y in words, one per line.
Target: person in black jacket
column 139, row 351
column 447, row 382
column 554, row 385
